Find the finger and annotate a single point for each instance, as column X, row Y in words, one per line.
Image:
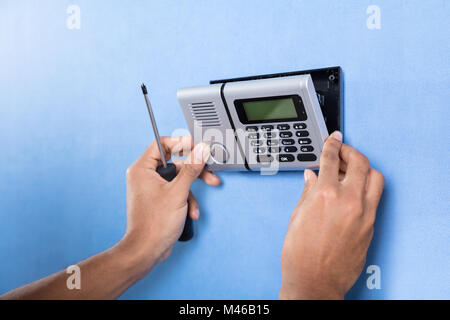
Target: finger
column 151, row 158
column 207, row 176
column 178, row 164
column 342, row 166
column 357, row 167
column 374, row 189
column 342, row 170
column 191, row 169
column 329, row 160
column 310, row 181
column 193, row 210
column 210, row 178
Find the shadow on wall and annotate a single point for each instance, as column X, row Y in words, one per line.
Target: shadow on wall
column 374, row 255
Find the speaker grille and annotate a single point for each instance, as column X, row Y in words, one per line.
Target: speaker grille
column 205, row 114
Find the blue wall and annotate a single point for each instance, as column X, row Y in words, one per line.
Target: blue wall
column 72, row 120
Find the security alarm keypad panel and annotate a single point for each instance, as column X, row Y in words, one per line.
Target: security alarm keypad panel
column 273, row 123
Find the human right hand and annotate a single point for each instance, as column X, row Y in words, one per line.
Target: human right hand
column 331, row 228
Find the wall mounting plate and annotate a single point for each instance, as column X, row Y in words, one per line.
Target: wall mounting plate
column 328, row 83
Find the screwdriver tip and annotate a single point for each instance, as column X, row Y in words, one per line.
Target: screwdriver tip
column 144, row 88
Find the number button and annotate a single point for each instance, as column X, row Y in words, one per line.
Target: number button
column 267, row 127
column 256, row 143
column 307, row 149
column 287, row 142
column 259, row 150
column 302, row 133
column 290, row 149
column 274, row 149
column 304, row 141
column 264, row 158
column 270, row 134
column 283, row 127
column 285, row 134
column 299, row 126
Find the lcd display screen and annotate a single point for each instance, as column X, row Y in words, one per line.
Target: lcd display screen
column 270, row 109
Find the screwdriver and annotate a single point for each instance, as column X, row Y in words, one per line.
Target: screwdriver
column 167, row 170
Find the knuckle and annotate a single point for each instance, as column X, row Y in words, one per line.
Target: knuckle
column 371, row 219
column 367, row 231
column 354, row 206
column 329, row 155
column 379, row 176
column 328, row 193
column 360, row 159
column 364, row 161
column 190, row 170
column 130, row 172
column 332, row 143
column 153, row 143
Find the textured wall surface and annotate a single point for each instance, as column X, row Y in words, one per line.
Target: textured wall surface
column 72, row 119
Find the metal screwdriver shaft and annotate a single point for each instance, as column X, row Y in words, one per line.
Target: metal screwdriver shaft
column 155, row 128
column 167, row 170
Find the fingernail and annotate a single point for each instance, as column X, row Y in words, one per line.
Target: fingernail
column 337, row 135
column 306, row 175
column 201, row 153
column 196, row 213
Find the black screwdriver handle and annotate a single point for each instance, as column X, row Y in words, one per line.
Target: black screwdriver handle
column 169, row 173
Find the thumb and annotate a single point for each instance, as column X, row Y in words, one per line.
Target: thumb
column 310, row 181
column 192, row 167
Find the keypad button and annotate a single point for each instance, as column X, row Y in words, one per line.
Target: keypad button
column 304, row 141
column 286, row 158
column 299, row 126
column 307, row 149
column 272, row 142
column 274, row 149
column 256, row 143
column 267, row 127
column 264, row 158
column 306, row 157
column 287, row 142
column 270, row 134
column 285, row 134
column 251, row 128
column 259, row 150
column 283, row 127
column 302, row 133
column 290, row 149
column 253, row 135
